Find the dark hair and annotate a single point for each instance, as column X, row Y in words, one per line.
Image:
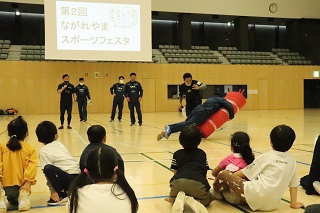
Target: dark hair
column 190, row 138
column 132, row 74
column 96, row 133
column 282, row 137
column 46, row 132
column 17, row 131
column 240, row 142
column 121, row 77
column 187, row 75
column 100, row 167
column 65, row 75
column 81, row 79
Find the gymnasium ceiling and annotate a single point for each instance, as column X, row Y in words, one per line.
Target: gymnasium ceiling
column 39, row 9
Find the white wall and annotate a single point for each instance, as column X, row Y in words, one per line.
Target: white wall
column 259, row 8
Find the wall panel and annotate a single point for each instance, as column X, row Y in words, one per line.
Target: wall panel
column 31, row 86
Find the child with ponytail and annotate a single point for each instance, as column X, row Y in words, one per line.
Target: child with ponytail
column 241, row 157
column 18, row 167
column 101, row 186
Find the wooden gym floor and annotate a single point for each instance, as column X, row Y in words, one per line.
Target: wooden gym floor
column 147, row 161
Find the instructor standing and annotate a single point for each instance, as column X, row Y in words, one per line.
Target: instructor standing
column 82, row 92
column 191, row 89
column 67, row 96
column 117, row 90
column 133, row 94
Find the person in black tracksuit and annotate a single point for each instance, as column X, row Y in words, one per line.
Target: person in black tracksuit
column 199, row 115
column 82, row 92
column 67, row 96
column 190, row 88
column 133, row 94
column 117, row 90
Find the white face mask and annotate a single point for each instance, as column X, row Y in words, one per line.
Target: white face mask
column 81, row 84
column 121, row 81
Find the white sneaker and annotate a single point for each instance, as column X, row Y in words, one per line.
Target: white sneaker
column 3, row 207
column 196, row 206
column 24, row 201
column 178, row 205
column 232, row 198
column 316, row 186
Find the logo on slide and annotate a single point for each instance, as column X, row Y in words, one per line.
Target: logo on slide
column 124, row 17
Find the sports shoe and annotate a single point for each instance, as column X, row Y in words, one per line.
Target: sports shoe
column 24, row 201
column 140, row 123
column 316, row 186
column 111, row 120
column 85, row 120
column 178, row 205
column 120, row 120
column 69, row 127
column 60, row 127
column 160, row 136
column 132, row 124
column 232, row 198
column 3, row 207
column 167, row 131
column 196, row 206
column 52, row 202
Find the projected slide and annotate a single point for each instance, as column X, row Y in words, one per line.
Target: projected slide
column 98, row 26
column 98, row 30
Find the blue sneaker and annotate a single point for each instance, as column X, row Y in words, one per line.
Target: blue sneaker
column 167, row 131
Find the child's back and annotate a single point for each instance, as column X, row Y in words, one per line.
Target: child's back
column 97, row 136
column 18, row 166
column 58, row 165
column 57, row 154
column 190, row 171
column 191, row 164
column 269, row 175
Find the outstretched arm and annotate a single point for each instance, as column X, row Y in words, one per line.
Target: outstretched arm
column 293, row 198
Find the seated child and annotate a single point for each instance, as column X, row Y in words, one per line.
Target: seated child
column 18, row 167
column 97, row 137
column 190, row 173
column 268, row 175
column 59, row 167
column 242, row 156
column 101, row 187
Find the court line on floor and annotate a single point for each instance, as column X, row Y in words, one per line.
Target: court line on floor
column 104, row 124
column 287, row 201
column 3, row 132
column 81, row 138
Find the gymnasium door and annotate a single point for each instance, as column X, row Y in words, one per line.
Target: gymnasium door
column 263, row 94
column 311, row 93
